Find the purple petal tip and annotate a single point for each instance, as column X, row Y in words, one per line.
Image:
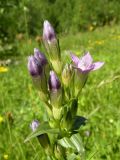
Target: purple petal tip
column 34, row 125
column 54, row 83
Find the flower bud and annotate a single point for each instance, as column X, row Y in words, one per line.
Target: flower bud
column 79, row 81
column 40, row 57
column 52, row 46
column 34, row 67
column 55, row 95
column 48, row 32
column 55, row 90
column 54, row 83
column 38, row 76
column 67, row 75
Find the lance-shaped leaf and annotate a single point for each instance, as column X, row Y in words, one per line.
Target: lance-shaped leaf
column 74, row 142
column 42, row 128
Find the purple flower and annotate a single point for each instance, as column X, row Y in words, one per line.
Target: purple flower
column 54, row 83
column 40, row 57
column 34, row 125
column 48, row 32
column 34, row 66
column 85, row 64
column 52, row 47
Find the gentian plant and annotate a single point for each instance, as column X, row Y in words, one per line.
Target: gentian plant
column 59, row 86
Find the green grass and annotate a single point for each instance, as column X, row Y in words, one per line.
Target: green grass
column 99, row 101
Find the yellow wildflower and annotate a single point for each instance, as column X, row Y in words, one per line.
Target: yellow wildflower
column 99, row 42
column 3, row 69
column 5, row 156
column 1, row 119
column 116, row 37
column 91, row 28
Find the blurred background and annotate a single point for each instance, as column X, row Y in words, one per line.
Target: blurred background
column 81, row 26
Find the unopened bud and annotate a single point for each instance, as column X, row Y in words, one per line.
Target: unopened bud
column 80, row 80
column 34, row 67
column 48, row 32
column 54, row 83
column 36, row 70
column 55, row 95
column 67, row 74
column 40, row 56
column 52, row 46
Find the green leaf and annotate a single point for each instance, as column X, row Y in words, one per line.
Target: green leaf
column 74, row 142
column 43, row 128
column 71, row 156
column 66, row 142
column 78, row 122
column 77, row 141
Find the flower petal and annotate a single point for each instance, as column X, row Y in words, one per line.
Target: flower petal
column 87, row 70
column 74, row 58
column 97, row 65
column 87, row 59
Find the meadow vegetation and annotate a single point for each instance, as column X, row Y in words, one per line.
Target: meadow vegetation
column 99, row 101
column 92, row 26
column 23, row 18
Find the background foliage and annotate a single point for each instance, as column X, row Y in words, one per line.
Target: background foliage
column 65, row 15
column 18, row 19
column 82, row 25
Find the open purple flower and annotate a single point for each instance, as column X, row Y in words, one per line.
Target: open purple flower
column 54, row 83
column 85, row 64
column 34, row 66
column 40, row 56
column 48, row 32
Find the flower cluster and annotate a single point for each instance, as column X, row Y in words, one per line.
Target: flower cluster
column 59, row 86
